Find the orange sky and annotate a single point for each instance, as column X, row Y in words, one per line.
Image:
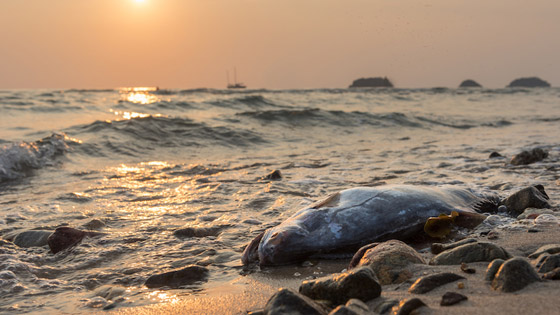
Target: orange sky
column 275, row 43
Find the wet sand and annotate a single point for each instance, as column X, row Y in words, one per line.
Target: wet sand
column 251, row 292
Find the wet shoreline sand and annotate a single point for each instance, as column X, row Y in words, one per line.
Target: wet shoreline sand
column 251, row 292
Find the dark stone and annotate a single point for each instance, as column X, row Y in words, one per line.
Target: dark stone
column 406, row 306
column 359, row 283
column 389, row 260
column 66, row 237
column 493, row 268
column 32, row 238
column 198, row 232
column 274, row 175
column 466, row 269
column 437, row 248
column 495, row 155
column 546, row 249
column 428, row 283
column 372, row 82
column 286, row 301
column 385, row 306
column 352, row 307
column 469, row 83
column 529, row 82
column 528, row 157
column 514, row 275
column 94, row 224
column 178, row 278
column 548, row 263
column 451, row 298
column 552, row 275
column 471, row 252
column 530, row 197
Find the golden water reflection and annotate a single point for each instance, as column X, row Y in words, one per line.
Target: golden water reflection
column 139, row 95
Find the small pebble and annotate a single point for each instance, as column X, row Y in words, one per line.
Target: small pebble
column 466, row 269
column 451, row 298
column 297, row 274
column 460, row 285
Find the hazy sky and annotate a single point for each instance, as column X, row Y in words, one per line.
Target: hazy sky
column 275, row 43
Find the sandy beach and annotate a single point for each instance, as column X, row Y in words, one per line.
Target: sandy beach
column 251, row 292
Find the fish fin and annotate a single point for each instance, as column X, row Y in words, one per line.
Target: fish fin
column 439, row 226
column 488, row 205
column 330, row 201
column 469, row 220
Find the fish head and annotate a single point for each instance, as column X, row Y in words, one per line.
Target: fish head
column 283, row 246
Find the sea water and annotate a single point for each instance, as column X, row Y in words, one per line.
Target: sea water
column 141, row 163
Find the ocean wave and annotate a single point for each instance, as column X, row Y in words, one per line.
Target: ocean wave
column 251, row 101
column 137, row 135
column 18, row 160
column 326, row 118
column 319, row 117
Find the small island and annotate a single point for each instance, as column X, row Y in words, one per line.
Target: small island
column 469, row 84
column 529, row 82
column 372, row 82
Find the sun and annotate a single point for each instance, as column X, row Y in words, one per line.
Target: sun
column 139, row 1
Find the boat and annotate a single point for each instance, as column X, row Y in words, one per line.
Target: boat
column 235, row 84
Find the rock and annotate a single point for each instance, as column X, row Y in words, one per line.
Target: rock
column 94, row 224
column 532, row 213
column 33, row 238
column 437, row 248
column 178, row 278
column 109, row 292
column 493, row 268
column 451, row 298
column 66, row 237
column 514, row 274
column 389, row 261
column 198, row 231
column 530, row 197
column 547, row 263
column 406, row 306
column 546, row 249
column 286, row 301
column 472, row 252
column 385, row 306
column 529, row 82
column 546, row 219
column 469, row 83
column 528, row 157
column 495, row 155
column 372, row 82
column 352, row 307
column 359, row 283
column 274, row 175
column 428, row 283
column 552, row 275
column 466, row 269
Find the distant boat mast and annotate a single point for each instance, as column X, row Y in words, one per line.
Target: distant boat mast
column 235, row 85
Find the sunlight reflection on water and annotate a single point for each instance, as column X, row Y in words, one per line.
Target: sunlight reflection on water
column 139, row 95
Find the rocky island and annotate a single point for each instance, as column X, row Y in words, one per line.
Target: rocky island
column 529, row 82
column 469, row 83
column 371, row 82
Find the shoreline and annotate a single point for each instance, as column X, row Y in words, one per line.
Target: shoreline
column 251, row 292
